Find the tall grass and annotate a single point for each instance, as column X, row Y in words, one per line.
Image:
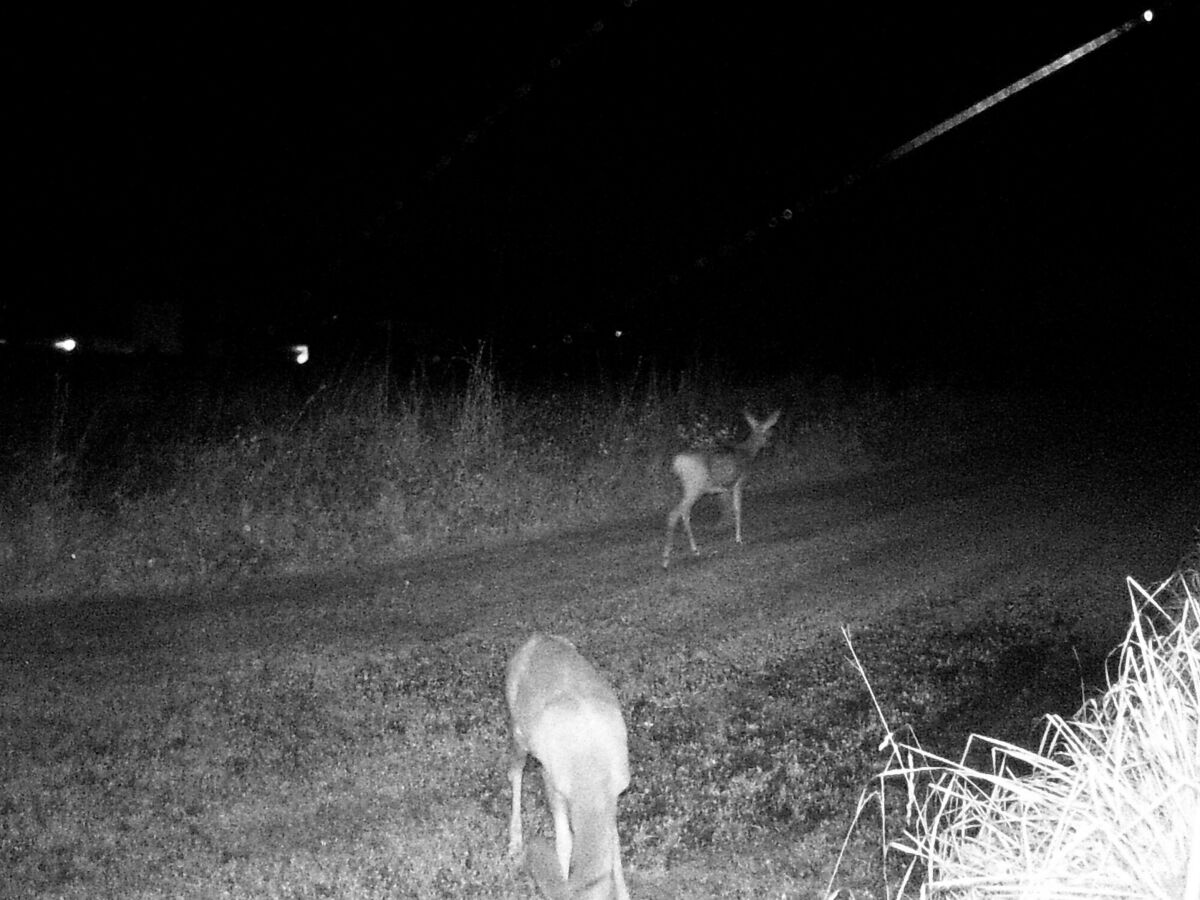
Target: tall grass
column 1108, row 806
column 146, row 483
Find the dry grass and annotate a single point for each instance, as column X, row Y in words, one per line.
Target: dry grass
column 121, row 492
column 1109, row 804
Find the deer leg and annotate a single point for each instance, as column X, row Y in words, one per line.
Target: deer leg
column 562, row 828
column 618, row 871
column 737, row 511
column 687, row 524
column 516, row 770
column 672, row 521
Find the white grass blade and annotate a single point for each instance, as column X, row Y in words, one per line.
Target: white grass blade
column 1110, row 804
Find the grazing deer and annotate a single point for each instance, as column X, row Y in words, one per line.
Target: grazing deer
column 718, row 472
column 565, row 714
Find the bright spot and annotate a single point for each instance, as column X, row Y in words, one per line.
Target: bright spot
column 618, row 333
column 300, row 353
column 66, row 345
column 1148, row 15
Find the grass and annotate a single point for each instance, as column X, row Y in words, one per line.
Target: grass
column 118, row 485
column 247, row 747
column 343, row 738
column 1107, row 806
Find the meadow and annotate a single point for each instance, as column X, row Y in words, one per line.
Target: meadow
column 254, row 640
column 120, row 479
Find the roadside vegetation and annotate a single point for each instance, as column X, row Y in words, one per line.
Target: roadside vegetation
column 1106, row 805
column 185, row 712
column 152, row 485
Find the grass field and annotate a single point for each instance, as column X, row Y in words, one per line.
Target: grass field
column 255, row 745
column 302, row 723
column 119, row 479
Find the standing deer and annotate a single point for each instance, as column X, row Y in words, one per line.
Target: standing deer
column 565, row 714
column 716, row 472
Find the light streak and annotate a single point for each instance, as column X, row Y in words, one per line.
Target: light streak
column 1019, row 85
column 802, row 205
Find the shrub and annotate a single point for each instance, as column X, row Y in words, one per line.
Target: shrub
column 1109, row 804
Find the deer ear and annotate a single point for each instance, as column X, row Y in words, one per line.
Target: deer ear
column 771, row 420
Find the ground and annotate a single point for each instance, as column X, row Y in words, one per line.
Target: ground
column 341, row 733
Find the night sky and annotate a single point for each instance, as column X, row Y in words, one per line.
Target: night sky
column 524, row 172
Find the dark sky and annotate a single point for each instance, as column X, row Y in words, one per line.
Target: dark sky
column 441, row 169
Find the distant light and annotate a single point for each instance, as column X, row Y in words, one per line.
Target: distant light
column 66, row 345
column 618, row 333
column 299, row 353
column 1148, row 15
